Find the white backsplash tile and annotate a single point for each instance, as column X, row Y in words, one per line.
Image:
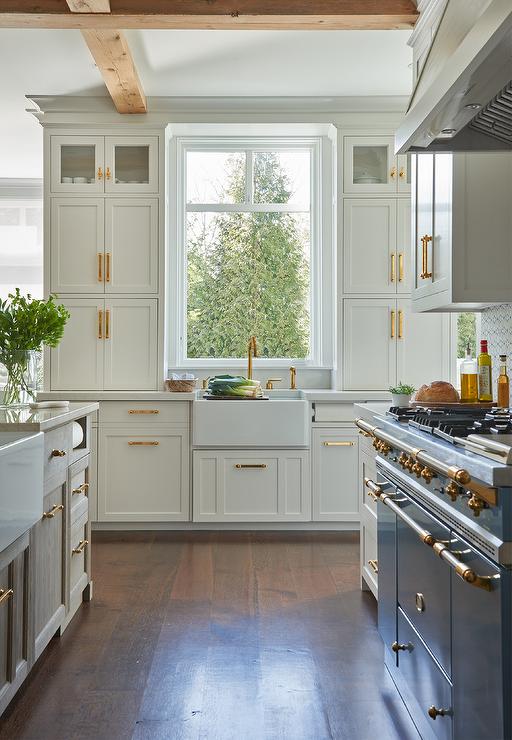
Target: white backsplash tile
column 496, row 327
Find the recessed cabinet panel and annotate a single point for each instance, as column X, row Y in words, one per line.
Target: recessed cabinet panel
column 424, row 220
column 143, row 474
column 370, row 165
column 77, row 362
column 77, row 164
column 369, row 236
column 131, row 164
column 423, row 341
column 131, row 245
column 130, row 344
column 369, row 357
column 77, row 245
column 335, row 475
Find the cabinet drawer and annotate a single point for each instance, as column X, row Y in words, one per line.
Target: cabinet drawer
column 141, row 412
column 424, row 583
column 425, row 680
column 251, row 486
column 57, row 445
column 79, row 545
column 79, row 487
column 343, row 412
column 335, row 479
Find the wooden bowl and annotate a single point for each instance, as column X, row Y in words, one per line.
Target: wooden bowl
column 180, row 386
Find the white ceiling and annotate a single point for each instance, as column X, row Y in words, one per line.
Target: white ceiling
column 193, row 63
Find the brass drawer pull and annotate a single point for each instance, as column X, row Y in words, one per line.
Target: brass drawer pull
column 80, row 547
column 5, row 594
column 81, row 489
column 107, row 275
column 254, row 466
column 100, row 267
column 58, row 453
column 50, row 514
column 374, row 565
column 143, row 411
column 143, row 444
column 400, row 267
column 338, row 444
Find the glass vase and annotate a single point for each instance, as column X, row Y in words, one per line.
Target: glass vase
column 22, row 378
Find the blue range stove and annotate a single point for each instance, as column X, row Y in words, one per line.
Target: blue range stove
column 445, row 568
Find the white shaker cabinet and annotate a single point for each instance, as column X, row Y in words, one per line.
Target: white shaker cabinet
column 131, row 164
column 370, row 166
column 131, row 245
column 335, row 475
column 77, row 362
column 422, row 342
column 77, row 164
column 462, row 222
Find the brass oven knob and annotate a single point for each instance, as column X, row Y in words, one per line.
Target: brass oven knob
column 409, row 464
column 385, row 448
column 427, row 474
column 452, row 490
column 434, row 712
column 397, row 646
column 416, row 469
column 402, row 459
column 476, row 504
column 376, row 443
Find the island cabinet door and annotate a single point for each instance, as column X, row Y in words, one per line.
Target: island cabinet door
column 15, row 646
column 48, row 549
column 335, row 475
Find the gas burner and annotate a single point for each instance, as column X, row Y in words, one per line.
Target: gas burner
column 401, row 414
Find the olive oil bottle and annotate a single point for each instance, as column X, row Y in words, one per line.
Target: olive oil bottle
column 503, row 384
column 484, row 373
column 468, row 378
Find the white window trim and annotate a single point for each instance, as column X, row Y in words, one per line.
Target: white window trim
column 322, row 142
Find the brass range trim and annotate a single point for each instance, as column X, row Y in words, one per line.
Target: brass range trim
column 384, row 443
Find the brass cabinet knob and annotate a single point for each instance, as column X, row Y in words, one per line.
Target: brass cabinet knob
column 476, row 504
column 58, row 453
column 397, row 646
column 427, row 474
column 434, row 712
column 452, row 490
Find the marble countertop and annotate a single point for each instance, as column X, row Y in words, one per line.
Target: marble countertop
column 25, row 419
column 320, row 395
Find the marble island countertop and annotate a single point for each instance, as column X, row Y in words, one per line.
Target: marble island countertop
column 25, row 419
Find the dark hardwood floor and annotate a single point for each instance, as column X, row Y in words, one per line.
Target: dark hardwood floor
column 216, row 636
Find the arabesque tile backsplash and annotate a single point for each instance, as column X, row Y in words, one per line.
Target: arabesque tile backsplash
column 496, row 327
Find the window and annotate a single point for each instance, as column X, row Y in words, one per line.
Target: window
column 249, row 236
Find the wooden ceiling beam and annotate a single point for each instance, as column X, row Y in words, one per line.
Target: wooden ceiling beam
column 213, row 14
column 89, row 6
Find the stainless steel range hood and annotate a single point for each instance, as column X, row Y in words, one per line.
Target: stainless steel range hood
column 463, row 97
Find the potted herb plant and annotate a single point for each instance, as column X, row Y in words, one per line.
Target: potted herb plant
column 26, row 326
column 401, row 394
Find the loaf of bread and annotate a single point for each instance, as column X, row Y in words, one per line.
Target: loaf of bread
column 437, row 392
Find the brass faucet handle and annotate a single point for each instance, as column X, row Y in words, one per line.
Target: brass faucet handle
column 205, row 383
column 293, row 378
column 270, row 383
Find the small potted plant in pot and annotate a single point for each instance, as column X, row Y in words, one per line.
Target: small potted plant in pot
column 401, row 394
column 26, row 326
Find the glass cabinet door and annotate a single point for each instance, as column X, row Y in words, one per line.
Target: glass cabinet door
column 131, row 164
column 370, row 165
column 77, row 164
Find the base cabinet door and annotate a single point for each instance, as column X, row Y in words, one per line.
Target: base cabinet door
column 251, row 486
column 335, row 478
column 15, row 647
column 143, row 474
column 49, row 568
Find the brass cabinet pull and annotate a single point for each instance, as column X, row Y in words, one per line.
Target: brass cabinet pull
column 107, row 273
column 100, row 173
column 400, row 324
column 100, row 324
column 425, row 274
column 400, row 267
column 393, row 321
column 374, row 565
column 80, row 547
column 54, row 510
column 81, row 489
column 100, row 267
column 107, row 324
column 419, row 601
column 393, row 267
column 143, row 411
column 5, row 594
column 143, row 444
column 397, row 646
column 401, row 174
column 58, row 453
column 338, row 444
column 434, row 712
column 392, row 174
column 107, row 174
column 259, row 466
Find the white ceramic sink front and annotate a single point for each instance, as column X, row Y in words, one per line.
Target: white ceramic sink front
column 21, row 484
column 282, row 421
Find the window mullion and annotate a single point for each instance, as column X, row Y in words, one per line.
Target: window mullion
column 249, row 184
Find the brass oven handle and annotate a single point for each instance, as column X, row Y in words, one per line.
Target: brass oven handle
column 107, row 272
column 81, row 489
column 338, row 444
column 393, row 322
column 463, row 571
column 80, row 547
column 425, row 274
column 107, row 324
column 400, row 324
column 374, row 565
column 50, row 514
column 58, row 453
column 400, row 267
column 253, row 466
column 100, row 267
column 393, row 267
column 153, row 443
column 100, row 324
column 143, row 411
column 5, row 594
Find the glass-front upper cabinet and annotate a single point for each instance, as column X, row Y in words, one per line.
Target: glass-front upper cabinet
column 131, row 164
column 370, row 166
column 77, row 164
